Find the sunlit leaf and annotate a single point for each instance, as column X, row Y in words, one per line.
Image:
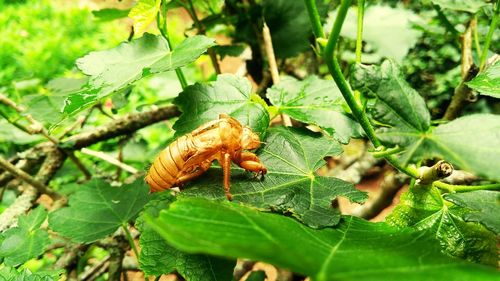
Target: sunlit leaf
column 423, row 208
column 291, row 185
column 26, row 241
column 471, row 6
column 315, row 101
column 356, row 250
column 143, row 14
column 488, row 81
column 203, row 102
column 481, row 206
column 157, row 257
column 98, row 209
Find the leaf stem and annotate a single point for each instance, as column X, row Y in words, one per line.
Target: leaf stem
column 130, row 240
column 164, row 32
column 359, row 35
column 336, row 72
column 465, row 188
column 489, row 36
column 312, row 11
column 476, row 36
column 380, row 153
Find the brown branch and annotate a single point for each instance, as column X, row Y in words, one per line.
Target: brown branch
column 202, row 30
column 273, row 66
column 463, row 93
column 18, row 173
column 389, row 187
column 121, row 126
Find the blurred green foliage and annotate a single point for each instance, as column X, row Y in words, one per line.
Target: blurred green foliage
column 41, row 39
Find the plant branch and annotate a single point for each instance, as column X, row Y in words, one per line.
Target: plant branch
column 273, row 67
column 313, row 13
column 359, row 35
column 440, row 170
column 201, row 30
column 120, row 126
column 461, row 95
column 130, row 240
column 465, row 188
column 18, row 173
column 164, row 32
column 489, row 36
column 110, row 160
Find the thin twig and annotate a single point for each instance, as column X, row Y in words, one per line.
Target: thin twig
column 273, row 66
column 461, row 95
column 110, row 159
column 18, row 173
column 202, row 30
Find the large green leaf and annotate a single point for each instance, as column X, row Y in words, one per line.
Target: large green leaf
column 26, row 241
column 488, row 81
column 315, row 101
column 143, row 14
column 291, row 186
column 387, row 31
column 98, row 209
column 423, row 208
column 157, row 257
column 471, row 6
column 113, row 70
column 482, row 206
column 356, row 250
column 230, row 94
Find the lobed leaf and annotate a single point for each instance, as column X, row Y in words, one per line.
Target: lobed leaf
column 143, row 14
column 488, row 81
column 482, row 206
column 203, row 102
column 98, row 209
column 26, row 241
column 157, row 257
column 291, row 186
column 315, row 101
column 356, row 250
column 423, row 208
column 471, row 6
column 111, row 71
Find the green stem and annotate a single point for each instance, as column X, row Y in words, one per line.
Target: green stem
column 465, row 188
column 385, row 152
column 130, row 240
column 487, row 42
column 312, row 11
column 164, row 32
column 359, row 37
column 336, row 72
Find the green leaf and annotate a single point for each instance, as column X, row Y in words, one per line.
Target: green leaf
column 387, row 31
column 315, row 101
column 423, row 208
column 113, row 70
column 203, row 102
column 356, row 250
column 289, row 25
column 12, row 274
column 471, row 6
column 110, row 14
column 98, row 209
column 230, row 50
column 482, row 206
column 157, row 257
column 143, row 14
column 291, row 186
column 488, row 81
column 26, row 241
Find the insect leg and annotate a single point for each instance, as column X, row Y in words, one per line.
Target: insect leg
column 191, row 175
column 250, row 162
column 226, row 168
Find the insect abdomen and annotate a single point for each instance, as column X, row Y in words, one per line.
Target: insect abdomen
column 167, row 167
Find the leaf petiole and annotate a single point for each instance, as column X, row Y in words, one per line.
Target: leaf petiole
column 130, row 240
column 465, row 188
